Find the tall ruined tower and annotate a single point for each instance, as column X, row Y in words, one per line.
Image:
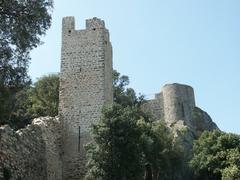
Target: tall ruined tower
column 85, row 87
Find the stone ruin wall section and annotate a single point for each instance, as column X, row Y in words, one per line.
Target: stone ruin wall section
column 154, row 107
column 22, row 154
column 51, row 134
column 32, row 153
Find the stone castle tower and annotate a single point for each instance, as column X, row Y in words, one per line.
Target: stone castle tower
column 175, row 102
column 85, row 87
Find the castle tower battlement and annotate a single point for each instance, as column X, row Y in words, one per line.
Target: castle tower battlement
column 85, row 87
column 68, row 24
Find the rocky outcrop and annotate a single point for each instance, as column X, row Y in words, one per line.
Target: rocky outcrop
column 186, row 133
column 202, row 121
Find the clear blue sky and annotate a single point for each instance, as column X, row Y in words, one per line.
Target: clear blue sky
column 163, row 41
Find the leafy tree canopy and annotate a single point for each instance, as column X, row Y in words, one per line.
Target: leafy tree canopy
column 116, row 153
column 122, row 94
column 159, row 149
column 216, row 156
column 41, row 99
column 125, row 140
column 22, row 22
column 44, row 97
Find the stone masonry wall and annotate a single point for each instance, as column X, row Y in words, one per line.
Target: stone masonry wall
column 155, row 107
column 85, row 87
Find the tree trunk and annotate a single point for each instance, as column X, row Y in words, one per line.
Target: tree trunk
column 148, row 172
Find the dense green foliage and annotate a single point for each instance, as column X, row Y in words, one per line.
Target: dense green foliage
column 44, row 97
column 125, row 140
column 123, row 95
column 216, row 155
column 6, row 174
column 41, row 99
column 21, row 25
column 19, row 116
column 159, row 150
column 116, row 153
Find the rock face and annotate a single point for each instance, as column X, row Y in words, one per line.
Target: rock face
column 202, row 121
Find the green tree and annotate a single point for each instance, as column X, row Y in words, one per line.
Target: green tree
column 231, row 173
column 44, row 97
column 19, row 116
column 41, row 99
column 159, row 149
column 216, row 155
column 21, row 25
column 116, row 153
column 125, row 140
column 122, row 94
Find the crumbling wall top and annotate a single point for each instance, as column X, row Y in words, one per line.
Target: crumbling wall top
column 95, row 23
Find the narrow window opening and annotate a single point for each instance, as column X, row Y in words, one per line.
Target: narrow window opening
column 79, row 138
column 69, row 31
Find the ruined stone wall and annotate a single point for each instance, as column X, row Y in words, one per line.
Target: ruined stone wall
column 85, row 86
column 22, row 154
column 32, row 153
column 155, row 107
column 51, row 132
